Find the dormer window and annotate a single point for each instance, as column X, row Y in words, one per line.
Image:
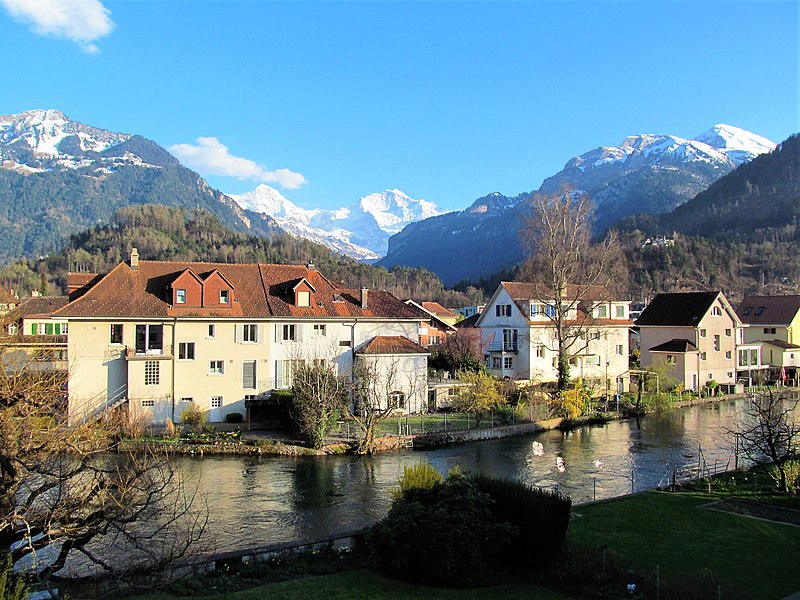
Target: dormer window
column 759, row 311
column 180, row 296
column 303, row 298
column 224, row 296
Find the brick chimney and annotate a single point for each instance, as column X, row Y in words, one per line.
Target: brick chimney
column 135, row 259
column 364, row 298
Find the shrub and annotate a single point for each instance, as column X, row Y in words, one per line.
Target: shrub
column 445, row 534
column 193, row 417
column 419, row 476
column 234, row 418
column 541, row 518
column 12, row 587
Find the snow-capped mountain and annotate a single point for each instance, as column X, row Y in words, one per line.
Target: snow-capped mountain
column 646, row 173
column 361, row 230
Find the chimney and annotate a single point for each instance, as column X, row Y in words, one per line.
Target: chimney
column 364, row 298
column 311, row 266
column 135, row 259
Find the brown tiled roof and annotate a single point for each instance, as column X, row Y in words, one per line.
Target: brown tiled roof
column 259, row 291
column 40, row 306
column 80, row 283
column 391, row 344
column 768, row 310
column 439, row 310
column 778, row 344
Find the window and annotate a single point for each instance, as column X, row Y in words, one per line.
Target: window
column 116, row 333
column 180, row 296
column 748, row 310
column 216, row 402
column 287, row 333
column 397, row 399
column 12, row 329
column 319, row 331
column 510, row 339
column 344, row 342
column 594, row 335
column 224, row 296
column 151, row 372
column 716, row 311
column 759, row 311
column 728, row 354
column 702, row 356
column 249, row 374
column 249, row 397
column 602, row 311
column 148, row 403
column 187, row 399
column 216, row 367
column 186, row 351
column 593, row 360
column 702, row 333
column 727, row 333
column 495, row 362
column 620, row 349
column 508, row 362
column 716, row 343
column 620, row 311
column 451, row 392
column 671, row 359
column 149, row 339
column 769, row 330
column 250, row 332
column 303, row 298
column 555, row 362
column 543, row 309
column 540, row 351
column 212, row 330
column 502, row 310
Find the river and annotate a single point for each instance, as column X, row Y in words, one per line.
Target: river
column 256, row 501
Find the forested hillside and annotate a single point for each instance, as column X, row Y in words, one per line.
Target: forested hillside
column 163, row 233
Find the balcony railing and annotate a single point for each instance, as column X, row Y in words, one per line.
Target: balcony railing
column 503, row 347
column 150, row 354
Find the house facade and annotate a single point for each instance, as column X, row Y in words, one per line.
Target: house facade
column 161, row 337
column 433, row 329
column 32, row 336
column 695, row 334
column 518, row 337
column 772, row 327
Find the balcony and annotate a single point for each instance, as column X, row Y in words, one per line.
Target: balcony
column 164, row 353
column 503, row 347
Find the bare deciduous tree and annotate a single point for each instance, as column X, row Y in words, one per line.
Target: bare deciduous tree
column 768, row 434
column 72, row 497
column 317, row 394
column 568, row 268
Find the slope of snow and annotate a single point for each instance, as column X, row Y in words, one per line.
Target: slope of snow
column 738, row 144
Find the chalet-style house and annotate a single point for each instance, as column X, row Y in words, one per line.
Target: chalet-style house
column 163, row 336
column 695, row 333
column 772, row 324
column 31, row 335
column 518, row 342
column 433, row 328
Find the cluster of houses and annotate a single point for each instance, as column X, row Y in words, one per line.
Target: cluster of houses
column 160, row 337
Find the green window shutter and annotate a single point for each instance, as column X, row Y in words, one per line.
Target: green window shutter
column 34, row 328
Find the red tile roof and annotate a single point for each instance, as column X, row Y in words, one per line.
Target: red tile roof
column 39, row 306
column 391, row 344
column 259, row 291
column 439, row 310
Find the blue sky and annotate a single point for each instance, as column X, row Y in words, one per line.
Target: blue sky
column 447, row 101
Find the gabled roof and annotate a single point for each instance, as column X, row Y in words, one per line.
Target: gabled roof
column 262, row 291
column 391, row 344
column 427, row 315
column 40, row 306
column 438, row 310
column 677, row 345
column 684, row 309
column 778, row 344
column 520, row 291
column 768, row 310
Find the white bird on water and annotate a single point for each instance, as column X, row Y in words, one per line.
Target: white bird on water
column 560, row 464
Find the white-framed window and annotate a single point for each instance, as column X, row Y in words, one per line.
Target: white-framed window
column 216, row 402
column 212, row 331
column 287, row 333
column 249, row 374
column 151, row 372
column 716, row 343
column 727, row 333
column 12, row 329
column 502, row 310
column 180, row 296
column 148, row 403
column 716, row 311
column 116, row 333
column 602, row 311
column 508, row 362
column 149, row 339
column 495, row 362
column 303, row 298
column 593, row 360
column 728, row 354
column 539, row 351
column 250, row 332
column 224, row 296
column 769, row 330
column 703, row 333
column 216, row 367
column 249, row 396
column 620, row 349
column 620, row 311
column 397, row 399
column 187, row 399
column 185, row 350
column 320, row 330
column 702, row 356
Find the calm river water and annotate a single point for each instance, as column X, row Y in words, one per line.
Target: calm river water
column 260, row 501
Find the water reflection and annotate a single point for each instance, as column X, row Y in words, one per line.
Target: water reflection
column 263, row 500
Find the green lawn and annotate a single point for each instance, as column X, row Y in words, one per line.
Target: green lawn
column 756, row 559
column 363, row 585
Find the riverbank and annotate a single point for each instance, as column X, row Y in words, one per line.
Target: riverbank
column 260, row 443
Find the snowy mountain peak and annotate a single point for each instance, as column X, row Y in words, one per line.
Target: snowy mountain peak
column 738, row 144
column 265, row 199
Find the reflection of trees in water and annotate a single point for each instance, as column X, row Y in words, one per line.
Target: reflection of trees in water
column 314, row 483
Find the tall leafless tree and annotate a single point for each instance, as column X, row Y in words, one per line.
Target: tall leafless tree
column 569, row 269
column 317, row 393
column 72, row 497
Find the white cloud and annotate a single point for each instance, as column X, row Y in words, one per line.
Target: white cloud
column 80, row 21
column 212, row 157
